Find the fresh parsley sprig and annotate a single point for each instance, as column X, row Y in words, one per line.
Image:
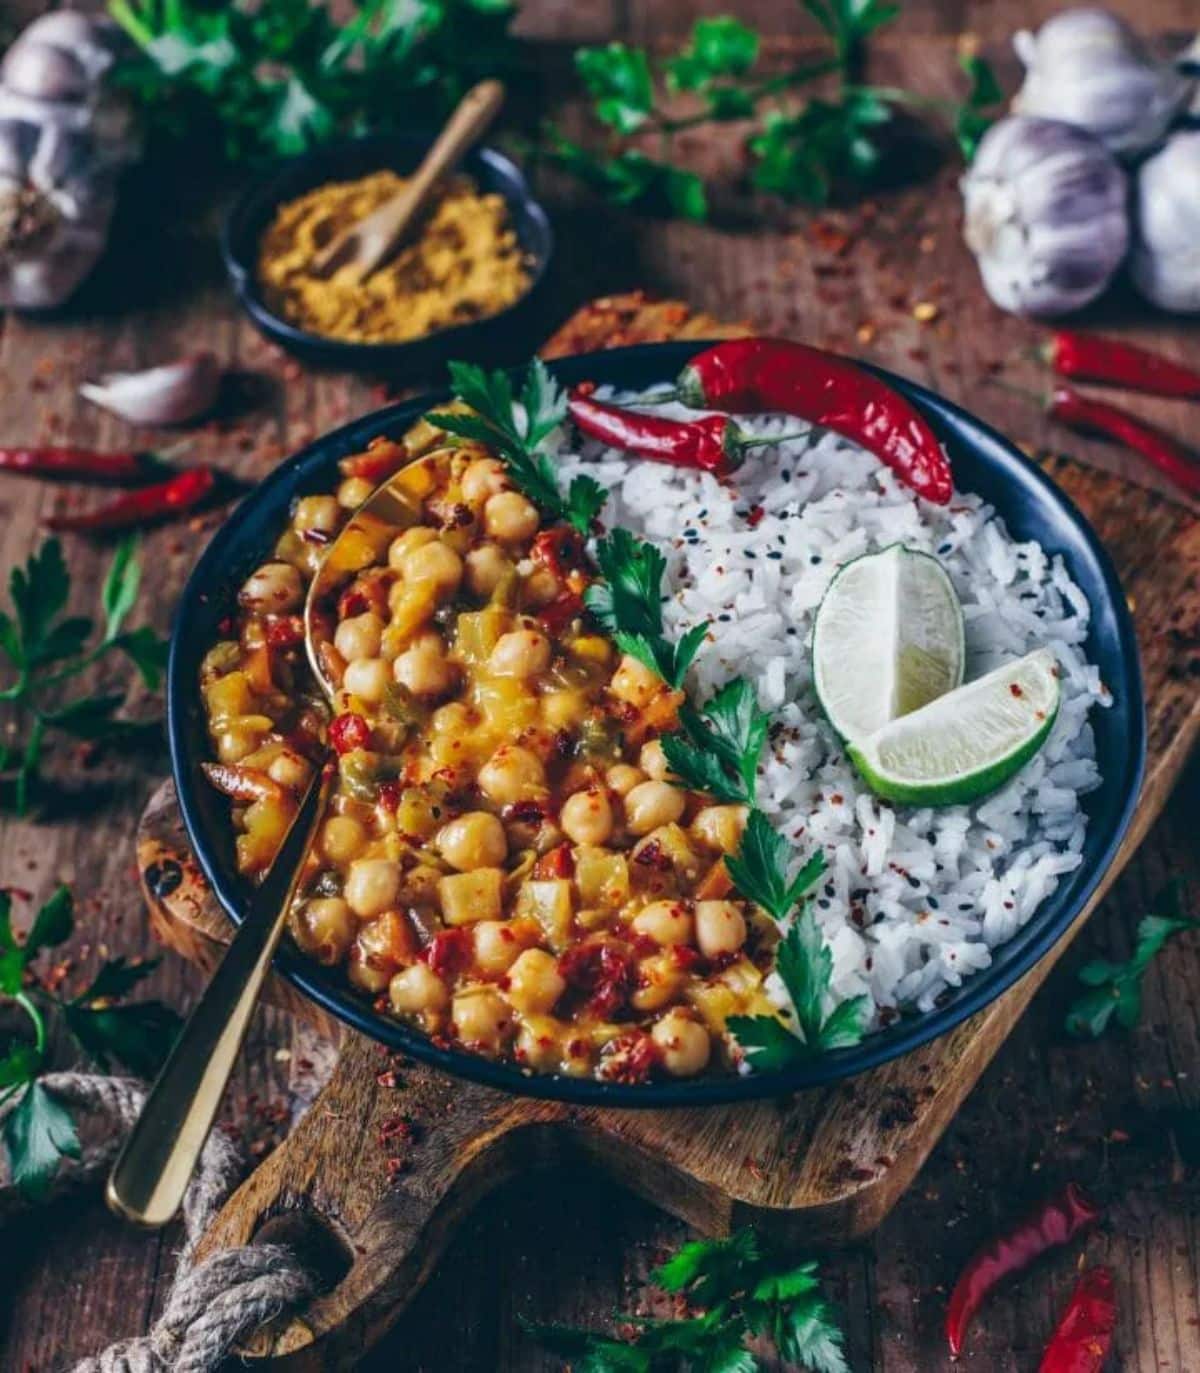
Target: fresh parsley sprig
column 518, row 435
column 46, row 649
column 39, row 1131
column 1115, row 989
column 722, row 744
column 742, row 1289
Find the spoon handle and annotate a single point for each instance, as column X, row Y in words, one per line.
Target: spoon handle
column 156, row 1164
column 364, row 247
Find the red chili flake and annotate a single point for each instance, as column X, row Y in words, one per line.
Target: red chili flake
column 686, row 958
column 389, row 796
column 1015, row 688
column 755, row 517
column 349, row 731
column 604, row 971
column 630, row 1058
column 448, row 952
column 285, row 631
column 388, row 1078
column 652, row 855
column 396, row 1166
column 353, row 602
column 558, row 549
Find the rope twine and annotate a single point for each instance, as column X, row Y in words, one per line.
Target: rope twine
column 211, row 1306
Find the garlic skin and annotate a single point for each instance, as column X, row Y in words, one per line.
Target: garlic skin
column 172, row 393
column 64, row 139
column 1087, row 68
column 1045, row 215
column 1166, row 245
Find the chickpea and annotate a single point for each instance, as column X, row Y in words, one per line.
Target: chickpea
column 509, row 517
column 417, row 990
column 289, row 769
column 496, row 945
column 634, row 682
column 434, row 562
column 474, row 840
column 483, row 478
column 520, row 653
column 408, row 542
column 482, row 1019
column 486, row 567
column 353, row 491
column 720, row 827
column 720, row 928
column 563, row 709
column 343, row 838
column 534, row 982
column 368, row 679
column 651, row 804
column 659, row 979
column 452, row 718
column 424, row 671
column 380, row 949
column 512, row 774
column 587, row 817
column 325, row 929
column 372, row 885
column 653, row 761
column 359, row 636
column 539, row 1043
column 539, row 588
column 623, row 777
column 321, row 514
column 684, row 1044
column 666, row 922
column 275, row 589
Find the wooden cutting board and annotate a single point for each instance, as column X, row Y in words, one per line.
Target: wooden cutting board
column 391, row 1155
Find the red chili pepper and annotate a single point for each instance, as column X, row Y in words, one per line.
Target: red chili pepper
column 1054, row 1222
column 349, row 731
column 1083, row 1338
column 712, row 444
column 560, row 549
column 85, row 463
column 183, row 491
column 1084, row 414
column 742, row 376
column 1089, row 357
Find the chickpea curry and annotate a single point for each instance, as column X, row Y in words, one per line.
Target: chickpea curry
column 508, row 863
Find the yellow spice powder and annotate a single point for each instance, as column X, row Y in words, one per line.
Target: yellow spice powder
column 463, row 264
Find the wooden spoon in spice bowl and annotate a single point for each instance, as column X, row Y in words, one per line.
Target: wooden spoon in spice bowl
column 368, row 244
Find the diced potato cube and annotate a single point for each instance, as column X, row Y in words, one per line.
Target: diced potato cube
column 549, row 903
column 635, row 683
column 669, row 843
column 506, row 704
column 602, row 877
column 470, row 896
column 478, row 632
column 229, row 695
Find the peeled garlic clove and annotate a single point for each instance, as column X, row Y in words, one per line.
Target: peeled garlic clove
column 1088, row 68
column 170, row 394
column 1045, row 215
column 43, row 72
column 1166, row 245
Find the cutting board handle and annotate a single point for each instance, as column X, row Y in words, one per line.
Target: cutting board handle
column 369, row 1187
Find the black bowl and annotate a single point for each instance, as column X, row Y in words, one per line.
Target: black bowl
column 984, row 462
column 345, row 161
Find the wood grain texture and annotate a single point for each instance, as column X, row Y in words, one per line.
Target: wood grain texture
column 825, row 1166
column 549, row 1247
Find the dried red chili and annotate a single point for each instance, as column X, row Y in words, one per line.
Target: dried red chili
column 1090, row 357
column 1084, row 1335
column 1053, row 1222
column 349, row 731
column 745, row 376
column 712, row 444
column 603, row 971
column 84, row 463
column 181, row 493
column 1086, row 415
column 448, row 952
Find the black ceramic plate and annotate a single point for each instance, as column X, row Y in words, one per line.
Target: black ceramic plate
column 1032, row 507
column 346, row 161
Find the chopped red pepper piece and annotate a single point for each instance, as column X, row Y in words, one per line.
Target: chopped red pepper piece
column 349, row 731
column 448, row 952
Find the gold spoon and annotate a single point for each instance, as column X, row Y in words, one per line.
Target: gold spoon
column 156, row 1164
column 360, row 249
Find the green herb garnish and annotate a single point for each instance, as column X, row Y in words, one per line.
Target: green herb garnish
column 1115, row 989
column 45, row 649
column 39, row 1130
column 723, row 746
column 518, row 437
column 743, row 1290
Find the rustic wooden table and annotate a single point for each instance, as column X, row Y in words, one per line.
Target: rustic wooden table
column 1121, row 1112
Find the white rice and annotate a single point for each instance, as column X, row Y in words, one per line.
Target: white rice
column 914, row 900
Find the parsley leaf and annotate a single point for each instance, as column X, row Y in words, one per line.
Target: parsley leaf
column 976, row 115
column 719, row 46
column 120, row 590
column 1115, row 989
column 760, row 868
column 139, row 1035
column 37, row 1134
column 709, row 1270
column 733, row 727
column 618, row 79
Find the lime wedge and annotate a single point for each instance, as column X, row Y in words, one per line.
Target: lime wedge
column 888, row 639
column 966, row 743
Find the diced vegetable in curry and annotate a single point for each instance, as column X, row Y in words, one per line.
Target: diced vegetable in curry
column 507, row 864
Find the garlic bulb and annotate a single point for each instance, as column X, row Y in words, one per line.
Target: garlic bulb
column 64, row 138
column 172, row 393
column 1045, row 215
column 1087, row 68
column 1166, row 244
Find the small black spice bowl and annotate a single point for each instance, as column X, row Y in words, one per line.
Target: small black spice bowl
column 348, row 160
